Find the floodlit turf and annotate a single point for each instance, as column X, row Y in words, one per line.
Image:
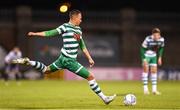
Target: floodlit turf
column 54, row 94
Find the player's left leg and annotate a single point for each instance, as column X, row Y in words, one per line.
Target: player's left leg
column 153, row 69
column 78, row 69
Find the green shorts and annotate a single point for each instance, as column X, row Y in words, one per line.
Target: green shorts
column 71, row 64
column 152, row 61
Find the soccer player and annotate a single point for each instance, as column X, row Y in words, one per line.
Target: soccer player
column 72, row 39
column 14, row 54
column 151, row 54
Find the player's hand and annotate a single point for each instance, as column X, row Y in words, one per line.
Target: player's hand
column 30, row 34
column 159, row 61
column 91, row 62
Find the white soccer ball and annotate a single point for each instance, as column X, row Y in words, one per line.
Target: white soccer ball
column 130, row 99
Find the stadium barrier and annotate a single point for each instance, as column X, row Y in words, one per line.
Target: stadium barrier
column 109, row 73
column 103, row 73
column 124, row 73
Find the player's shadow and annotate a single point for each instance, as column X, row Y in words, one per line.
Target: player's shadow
column 120, row 94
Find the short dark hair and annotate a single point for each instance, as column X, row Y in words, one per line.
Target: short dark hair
column 156, row 30
column 74, row 12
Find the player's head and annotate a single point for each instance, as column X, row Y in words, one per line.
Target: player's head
column 75, row 17
column 156, row 33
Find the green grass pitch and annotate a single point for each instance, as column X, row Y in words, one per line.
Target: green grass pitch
column 76, row 95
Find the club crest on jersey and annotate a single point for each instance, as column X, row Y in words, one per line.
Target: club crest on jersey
column 76, row 36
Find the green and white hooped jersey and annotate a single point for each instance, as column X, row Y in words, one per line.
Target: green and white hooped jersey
column 71, row 37
column 152, row 45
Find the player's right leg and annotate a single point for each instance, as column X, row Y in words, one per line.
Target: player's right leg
column 145, row 76
column 35, row 64
column 39, row 65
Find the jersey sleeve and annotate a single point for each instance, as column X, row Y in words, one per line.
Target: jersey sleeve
column 81, row 43
column 145, row 43
column 142, row 52
column 161, row 48
column 144, row 48
column 51, row 33
column 61, row 29
column 163, row 43
column 160, row 52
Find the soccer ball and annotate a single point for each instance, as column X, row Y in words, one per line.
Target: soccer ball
column 130, row 99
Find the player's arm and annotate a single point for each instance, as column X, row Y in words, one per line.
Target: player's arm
column 61, row 29
column 8, row 58
column 160, row 54
column 49, row 33
column 161, row 51
column 86, row 52
column 143, row 50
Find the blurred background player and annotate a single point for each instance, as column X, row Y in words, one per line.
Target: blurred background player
column 72, row 40
column 10, row 68
column 151, row 54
